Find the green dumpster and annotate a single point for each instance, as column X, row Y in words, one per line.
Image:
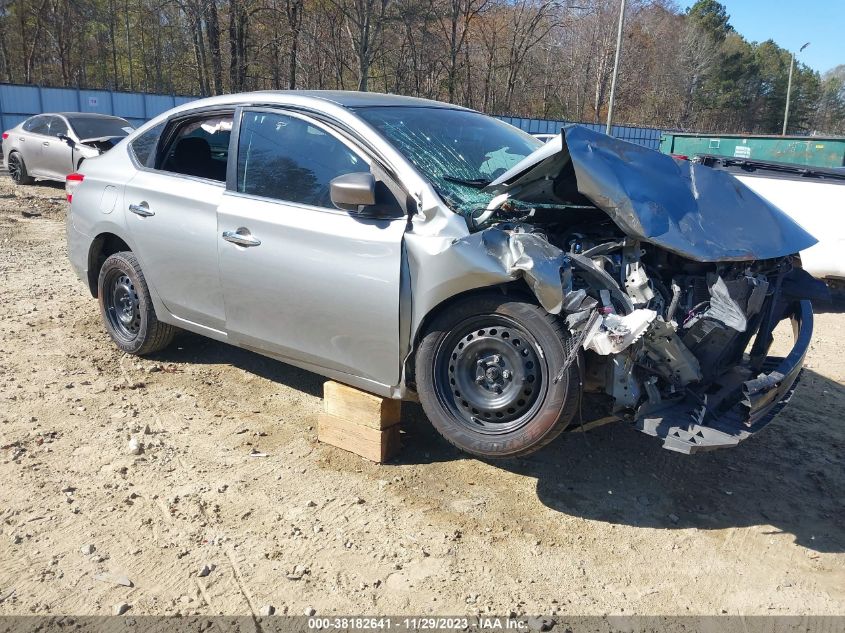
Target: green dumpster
column 816, row 151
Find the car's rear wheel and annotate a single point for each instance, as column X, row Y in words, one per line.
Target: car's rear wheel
column 486, row 373
column 17, row 170
column 127, row 309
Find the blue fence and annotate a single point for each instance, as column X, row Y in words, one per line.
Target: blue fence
column 21, row 102
column 647, row 136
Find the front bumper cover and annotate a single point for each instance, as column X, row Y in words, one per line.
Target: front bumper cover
column 740, row 408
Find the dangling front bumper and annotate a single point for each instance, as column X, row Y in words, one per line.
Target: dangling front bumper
column 739, row 409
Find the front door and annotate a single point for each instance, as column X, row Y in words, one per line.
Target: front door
column 171, row 212
column 302, row 279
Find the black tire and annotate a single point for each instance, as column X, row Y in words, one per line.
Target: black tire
column 17, row 170
column 127, row 309
column 485, row 372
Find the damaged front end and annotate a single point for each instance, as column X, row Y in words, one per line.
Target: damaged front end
column 671, row 280
column 101, row 144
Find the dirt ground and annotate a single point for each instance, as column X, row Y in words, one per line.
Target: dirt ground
column 600, row 523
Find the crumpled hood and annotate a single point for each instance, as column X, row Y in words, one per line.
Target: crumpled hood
column 692, row 210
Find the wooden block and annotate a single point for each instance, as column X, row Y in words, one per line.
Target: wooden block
column 359, row 406
column 377, row 445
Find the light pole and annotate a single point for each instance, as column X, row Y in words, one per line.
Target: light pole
column 615, row 67
column 789, row 89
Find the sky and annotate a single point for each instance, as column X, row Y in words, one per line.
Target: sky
column 792, row 23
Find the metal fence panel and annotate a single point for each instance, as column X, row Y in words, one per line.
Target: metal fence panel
column 20, row 102
column 58, row 100
column 156, row 104
column 646, row 136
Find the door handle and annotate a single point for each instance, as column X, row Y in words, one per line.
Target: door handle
column 241, row 237
column 46, row 143
column 142, row 209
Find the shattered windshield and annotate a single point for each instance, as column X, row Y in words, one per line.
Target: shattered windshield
column 459, row 151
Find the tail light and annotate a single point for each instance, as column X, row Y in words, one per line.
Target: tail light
column 5, row 135
column 71, row 183
column 680, row 156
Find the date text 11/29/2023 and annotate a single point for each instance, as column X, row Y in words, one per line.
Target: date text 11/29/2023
column 416, row 623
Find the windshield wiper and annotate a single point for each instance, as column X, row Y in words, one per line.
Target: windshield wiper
column 477, row 183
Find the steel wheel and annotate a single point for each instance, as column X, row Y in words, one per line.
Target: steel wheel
column 122, row 305
column 490, row 373
column 483, row 373
column 127, row 308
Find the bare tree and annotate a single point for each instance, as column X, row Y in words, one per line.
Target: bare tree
column 455, row 22
column 364, row 21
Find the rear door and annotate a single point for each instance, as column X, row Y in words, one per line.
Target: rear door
column 302, row 279
column 56, row 155
column 33, row 132
column 172, row 215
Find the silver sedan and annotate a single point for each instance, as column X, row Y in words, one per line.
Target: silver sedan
column 50, row 146
column 427, row 252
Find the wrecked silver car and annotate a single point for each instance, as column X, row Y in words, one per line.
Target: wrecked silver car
column 50, row 146
column 423, row 251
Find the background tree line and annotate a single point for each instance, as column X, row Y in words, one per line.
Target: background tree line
column 538, row 58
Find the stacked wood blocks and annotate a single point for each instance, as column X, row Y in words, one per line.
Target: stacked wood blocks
column 360, row 422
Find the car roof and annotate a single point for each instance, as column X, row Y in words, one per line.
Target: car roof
column 78, row 115
column 353, row 99
column 346, row 99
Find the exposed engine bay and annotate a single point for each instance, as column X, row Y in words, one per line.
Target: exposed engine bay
column 670, row 322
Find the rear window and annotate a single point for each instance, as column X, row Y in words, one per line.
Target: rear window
column 87, row 127
column 143, row 146
column 199, row 147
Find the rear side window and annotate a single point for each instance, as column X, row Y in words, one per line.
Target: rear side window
column 285, row 158
column 143, row 146
column 37, row 125
column 200, row 147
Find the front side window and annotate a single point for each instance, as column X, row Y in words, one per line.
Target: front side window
column 286, row 158
column 144, row 144
column 57, row 126
column 458, row 151
column 200, row 147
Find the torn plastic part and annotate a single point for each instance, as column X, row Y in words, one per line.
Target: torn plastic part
column 636, row 281
column 724, row 309
column 491, row 208
column 615, row 333
column 725, row 305
column 669, row 356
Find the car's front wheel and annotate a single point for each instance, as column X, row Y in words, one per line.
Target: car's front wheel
column 126, row 307
column 17, row 170
column 487, row 376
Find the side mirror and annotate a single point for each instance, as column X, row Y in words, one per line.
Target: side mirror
column 350, row 192
column 66, row 139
